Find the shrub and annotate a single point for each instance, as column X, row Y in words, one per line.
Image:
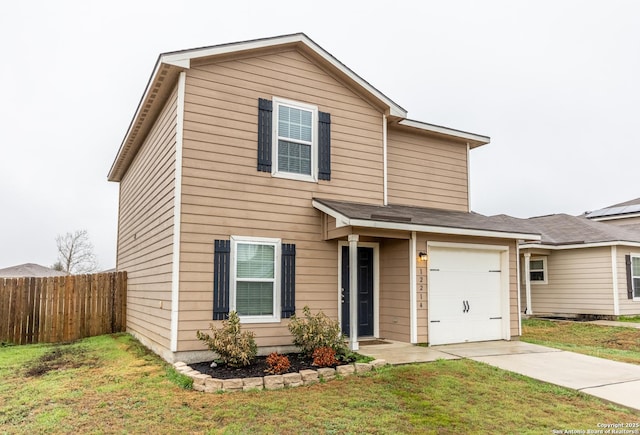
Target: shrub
column 278, row 364
column 234, row 347
column 314, row 331
column 324, row 357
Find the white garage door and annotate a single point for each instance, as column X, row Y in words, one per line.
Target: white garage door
column 465, row 295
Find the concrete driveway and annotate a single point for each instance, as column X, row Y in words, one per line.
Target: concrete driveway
column 613, row 381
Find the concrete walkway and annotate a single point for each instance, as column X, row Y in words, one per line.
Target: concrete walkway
column 613, row 381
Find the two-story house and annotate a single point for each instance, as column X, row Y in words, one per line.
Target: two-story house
column 258, row 176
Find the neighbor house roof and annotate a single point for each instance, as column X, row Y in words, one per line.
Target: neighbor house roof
column 623, row 209
column 422, row 219
column 28, row 269
column 564, row 231
column 169, row 65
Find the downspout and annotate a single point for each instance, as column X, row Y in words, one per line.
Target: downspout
column 177, row 211
column 385, row 198
column 614, row 275
column 468, row 179
column 519, row 288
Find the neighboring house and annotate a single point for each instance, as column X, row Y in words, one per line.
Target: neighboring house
column 256, row 175
column 29, row 270
column 580, row 268
column 625, row 214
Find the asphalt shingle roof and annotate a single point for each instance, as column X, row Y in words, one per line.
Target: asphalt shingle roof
column 28, row 269
column 563, row 229
column 427, row 216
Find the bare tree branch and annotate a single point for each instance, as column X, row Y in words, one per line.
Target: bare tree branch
column 75, row 253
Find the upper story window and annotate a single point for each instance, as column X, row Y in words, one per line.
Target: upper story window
column 294, row 140
column 538, row 270
column 296, row 144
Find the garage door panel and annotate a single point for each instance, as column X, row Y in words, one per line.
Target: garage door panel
column 464, row 295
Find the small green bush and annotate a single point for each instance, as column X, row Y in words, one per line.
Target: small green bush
column 234, row 347
column 314, row 331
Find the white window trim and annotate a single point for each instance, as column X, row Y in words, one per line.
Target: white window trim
column 276, row 286
column 275, row 172
column 633, row 289
column 545, row 271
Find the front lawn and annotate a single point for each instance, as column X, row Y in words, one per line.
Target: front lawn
column 615, row 343
column 112, row 384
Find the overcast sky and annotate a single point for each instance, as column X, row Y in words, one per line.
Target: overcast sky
column 555, row 84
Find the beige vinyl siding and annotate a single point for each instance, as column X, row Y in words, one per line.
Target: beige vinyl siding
column 426, row 171
column 394, row 290
column 628, row 307
column 145, row 232
column 579, row 282
column 223, row 194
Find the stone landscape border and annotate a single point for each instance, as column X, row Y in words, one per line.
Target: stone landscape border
column 206, row 383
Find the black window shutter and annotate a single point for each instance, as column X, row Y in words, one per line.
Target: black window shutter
column 221, row 267
column 324, row 146
column 265, row 109
column 288, row 282
column 627, row 260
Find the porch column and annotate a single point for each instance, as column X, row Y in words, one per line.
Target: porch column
column 527, row 281
column 353, row 291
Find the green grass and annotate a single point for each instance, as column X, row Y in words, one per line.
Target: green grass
column 615, row 343
column 111, row 384
column 632, row 319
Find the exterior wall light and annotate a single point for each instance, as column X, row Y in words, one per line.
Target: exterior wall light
column 422, row 256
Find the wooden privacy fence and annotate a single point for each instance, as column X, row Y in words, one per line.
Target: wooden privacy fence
column 62, row 308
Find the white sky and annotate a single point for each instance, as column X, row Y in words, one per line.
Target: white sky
column 553, row 83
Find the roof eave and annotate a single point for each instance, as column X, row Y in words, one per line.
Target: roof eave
column 158, row 89
column 552, row 247
column 181, row 60
column 475, row 140
column 342, row 221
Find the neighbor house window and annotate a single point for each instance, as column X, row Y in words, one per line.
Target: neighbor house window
column 295, row 144
column 538, row 270
column 254, row 292
column 635, row 276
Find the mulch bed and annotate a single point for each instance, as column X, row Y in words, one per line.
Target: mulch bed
column 257, row 369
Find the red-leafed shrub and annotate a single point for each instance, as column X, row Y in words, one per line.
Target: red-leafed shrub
column 324, row 357
column 278, row 364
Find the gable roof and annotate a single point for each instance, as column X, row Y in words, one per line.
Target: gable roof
column 564, row 231
column 422, row 219
column 169, row 65
column 28, row 269
column 631, row 207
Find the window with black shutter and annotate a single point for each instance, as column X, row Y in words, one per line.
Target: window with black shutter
column 294, row 140
column 632, row 263
column 255, row 277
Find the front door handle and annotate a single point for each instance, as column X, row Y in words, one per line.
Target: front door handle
column 342, row 296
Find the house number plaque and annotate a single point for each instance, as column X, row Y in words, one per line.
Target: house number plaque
column 421, row 283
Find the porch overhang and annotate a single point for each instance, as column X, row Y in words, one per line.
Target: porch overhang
column 419, row 219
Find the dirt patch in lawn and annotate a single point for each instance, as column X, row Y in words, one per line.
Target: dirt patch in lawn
column 257, row 369
column 61, row 357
